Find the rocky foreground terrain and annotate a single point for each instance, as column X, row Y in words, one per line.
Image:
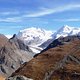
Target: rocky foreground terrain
column 13, row 53
column 59, row 61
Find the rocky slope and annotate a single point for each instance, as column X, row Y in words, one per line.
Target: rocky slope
column 13, row 53
column 59, row 62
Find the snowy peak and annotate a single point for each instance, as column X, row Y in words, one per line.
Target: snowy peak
column 34, row 32
column 34, row 36
column 67, row 31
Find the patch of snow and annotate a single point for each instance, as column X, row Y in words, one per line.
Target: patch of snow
column 8, row 36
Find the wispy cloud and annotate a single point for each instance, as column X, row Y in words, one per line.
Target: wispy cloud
column 9, row 13
column 12, row 19
column 47, row 11
column 2, row 28
column 67, row 20
column 41, row 12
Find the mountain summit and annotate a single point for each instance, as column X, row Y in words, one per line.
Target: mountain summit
column 34, row 37
column 65, row 28
column 66, row 31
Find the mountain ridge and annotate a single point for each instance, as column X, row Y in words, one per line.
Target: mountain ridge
column 38, row 39
column 54, row 63
column 66, row 31
column 13, row 53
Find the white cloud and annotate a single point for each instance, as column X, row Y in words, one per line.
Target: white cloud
column 12, row 19
column 9, row 13
column 42, row 12
column 67, row 20
column 47, row 11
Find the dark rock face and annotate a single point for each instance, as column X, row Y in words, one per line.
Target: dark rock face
column 56, row 63
column 19, row 43
column 13, row 53
column 58, row 42
column 62, row 41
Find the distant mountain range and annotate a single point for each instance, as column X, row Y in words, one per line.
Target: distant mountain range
column 38, row 39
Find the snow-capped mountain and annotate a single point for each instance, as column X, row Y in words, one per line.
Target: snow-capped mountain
column 33, row 37
column 36, row 37
column 66, row 31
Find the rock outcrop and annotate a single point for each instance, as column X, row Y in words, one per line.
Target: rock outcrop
column 13, row 53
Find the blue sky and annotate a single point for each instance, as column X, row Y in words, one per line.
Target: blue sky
column 48, row 14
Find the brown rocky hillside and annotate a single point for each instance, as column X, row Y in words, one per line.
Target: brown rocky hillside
column 61, row 62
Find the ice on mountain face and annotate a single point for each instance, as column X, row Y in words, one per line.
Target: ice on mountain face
column 62, row 32
column 76, row 31
column 34, row 36
column 66, row 31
